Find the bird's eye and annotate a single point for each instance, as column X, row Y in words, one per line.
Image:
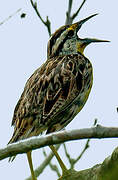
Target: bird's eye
column 70, row 33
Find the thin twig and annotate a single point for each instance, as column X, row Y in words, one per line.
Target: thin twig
column 69, row 18
column 43, row 165
column 73, row 161
column 5, row 20
column 95, row 122
column 107, row 170
column 47, row 23
column 68, row 155
column 117, row 109
column 70, row 6
column 68, row 13
column 81, row 154
column 54, row 167
column 77, row 12
column 85, row 147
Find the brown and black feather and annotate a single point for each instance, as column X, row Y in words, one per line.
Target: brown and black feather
column 52, row 96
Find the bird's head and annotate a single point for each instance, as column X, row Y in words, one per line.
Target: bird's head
column 66, row 41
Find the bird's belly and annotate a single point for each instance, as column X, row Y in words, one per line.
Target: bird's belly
column 74, row 102
column 77, row 105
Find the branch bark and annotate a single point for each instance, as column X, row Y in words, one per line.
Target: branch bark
column 57, row 138
column 47, row 23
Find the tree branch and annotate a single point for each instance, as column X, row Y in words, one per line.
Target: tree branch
column 57, row 138
column 47, row 22
column 77, row 12
column 54, row 167
column 68, row 13
column 74, row 161
column 106, row 171
column 69, row 18
column 81, row 154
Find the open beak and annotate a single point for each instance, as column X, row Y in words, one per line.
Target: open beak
column 92, row 40
column 80, row 23
column 76, row 26
column 82, row 43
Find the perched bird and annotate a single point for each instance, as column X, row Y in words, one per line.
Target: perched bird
column 56, row 91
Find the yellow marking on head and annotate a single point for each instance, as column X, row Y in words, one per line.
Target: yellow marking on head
column 73, row 27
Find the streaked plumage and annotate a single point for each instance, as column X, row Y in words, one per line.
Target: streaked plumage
column 53, row 95
column 58, row 90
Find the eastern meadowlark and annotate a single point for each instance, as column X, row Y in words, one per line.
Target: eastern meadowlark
column 56, row 91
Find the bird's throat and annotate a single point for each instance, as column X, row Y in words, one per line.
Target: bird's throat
column 80, row 48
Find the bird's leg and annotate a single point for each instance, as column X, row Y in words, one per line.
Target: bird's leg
column 62, row 165
column 29, row 157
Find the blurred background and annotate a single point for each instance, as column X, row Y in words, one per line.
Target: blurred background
column 23, row 48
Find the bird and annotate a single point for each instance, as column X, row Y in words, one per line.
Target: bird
column 57, row 91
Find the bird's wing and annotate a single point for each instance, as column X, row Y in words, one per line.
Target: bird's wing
column 48, row 91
